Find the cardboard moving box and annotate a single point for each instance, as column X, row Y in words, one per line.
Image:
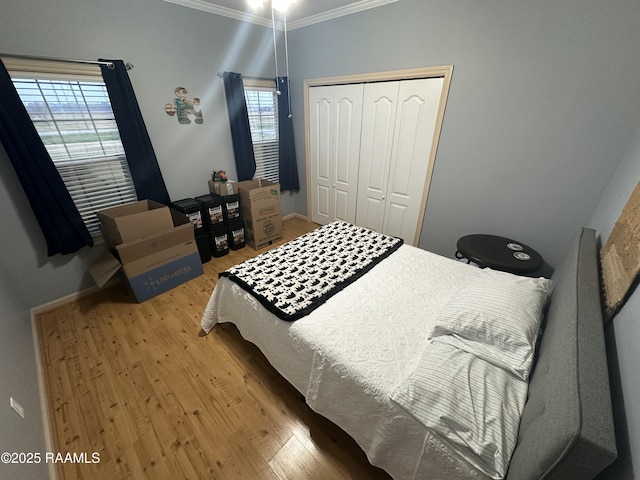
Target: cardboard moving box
column 152, row 244
column 132, row 221
column 222, row 188
column 261, row 211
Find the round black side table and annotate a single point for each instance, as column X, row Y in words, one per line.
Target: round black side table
column 499, row 253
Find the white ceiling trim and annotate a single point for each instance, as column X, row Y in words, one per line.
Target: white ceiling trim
column 223, row 11
column 360, row 6
column 356, row 7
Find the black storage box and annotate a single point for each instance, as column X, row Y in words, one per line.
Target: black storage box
column 231, row 207
column 235, row 229
column 191, row 208
column 211, row 208
column 219, row 241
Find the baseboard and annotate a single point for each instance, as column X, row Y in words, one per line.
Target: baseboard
column 42, row 386
column 295, row 215
column 42, row 389
column 59, row 302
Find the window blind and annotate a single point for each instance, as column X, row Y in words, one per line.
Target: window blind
column 262, row 107
column 76, row 124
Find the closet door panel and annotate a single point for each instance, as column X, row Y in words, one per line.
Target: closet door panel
column 376, row 144
column 335, row 118
column 415, row 122
column 408, row 140
column 395, row 220
column 344, row 206
column 321, row 131
column 323, row 204
column 346, row 156
column 370, row 213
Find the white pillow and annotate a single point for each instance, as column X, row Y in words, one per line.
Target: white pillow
column 500, row 310
column 471, row 403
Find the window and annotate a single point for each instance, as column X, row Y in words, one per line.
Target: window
column 71, row 110
column 262, row 105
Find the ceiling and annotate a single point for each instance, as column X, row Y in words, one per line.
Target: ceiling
column 300, row 14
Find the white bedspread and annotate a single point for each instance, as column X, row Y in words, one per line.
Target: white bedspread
column 373, row 333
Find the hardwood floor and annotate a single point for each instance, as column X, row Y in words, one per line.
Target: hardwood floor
column 143, row 387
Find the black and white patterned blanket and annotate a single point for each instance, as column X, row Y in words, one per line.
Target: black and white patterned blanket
column 294, row 279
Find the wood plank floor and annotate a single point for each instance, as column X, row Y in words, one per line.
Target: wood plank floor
column 143, row 387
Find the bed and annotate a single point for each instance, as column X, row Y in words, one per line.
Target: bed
column 424, row 393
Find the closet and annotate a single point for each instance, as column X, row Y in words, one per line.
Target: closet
column 370, row 153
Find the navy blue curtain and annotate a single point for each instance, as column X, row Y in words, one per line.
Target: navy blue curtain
column 61, row 224
column 141, row 158
column 239, row 122
column 287, row 149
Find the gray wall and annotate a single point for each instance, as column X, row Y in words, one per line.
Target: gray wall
column 624, row 331
column 544, row 104
column 18, row 374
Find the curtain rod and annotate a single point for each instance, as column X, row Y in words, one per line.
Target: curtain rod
column 221, row 74
column 110, row 65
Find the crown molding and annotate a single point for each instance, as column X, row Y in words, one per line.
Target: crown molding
column 205, row 6
column 356, row 7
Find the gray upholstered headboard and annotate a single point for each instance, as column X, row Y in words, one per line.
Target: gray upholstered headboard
column 566, row 431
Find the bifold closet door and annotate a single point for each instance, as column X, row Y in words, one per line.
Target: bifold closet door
column 335, row 119
column 376, row 147
column 399, row 122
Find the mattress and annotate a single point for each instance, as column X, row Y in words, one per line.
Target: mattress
column 374, row 333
